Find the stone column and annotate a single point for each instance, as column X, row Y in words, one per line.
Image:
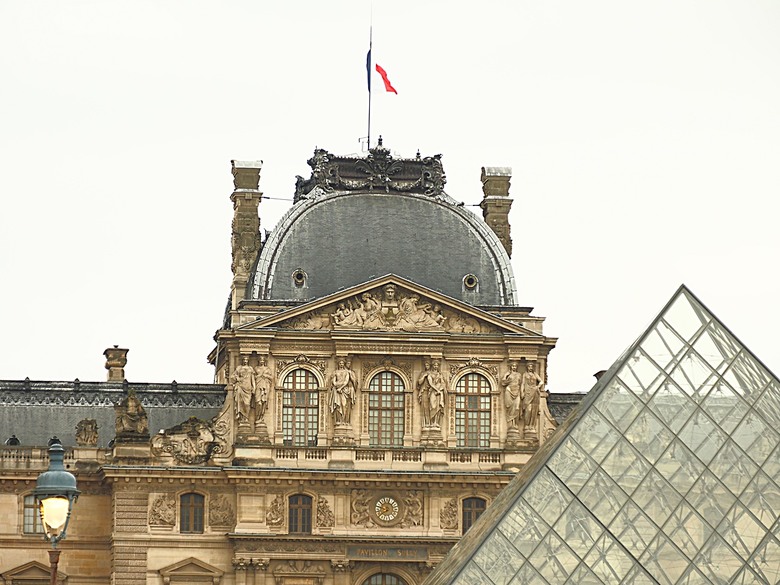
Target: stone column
column 496, row 202
column 245, row 242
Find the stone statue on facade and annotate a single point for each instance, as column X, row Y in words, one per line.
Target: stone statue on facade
column 342, row 394
column 131, row 419
column 243, row 390
column 531, row 388
column 435, row 389
column 264, row 383
column 87, row 433
column 513, row 398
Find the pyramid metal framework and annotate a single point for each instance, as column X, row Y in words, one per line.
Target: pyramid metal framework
column 668, row 473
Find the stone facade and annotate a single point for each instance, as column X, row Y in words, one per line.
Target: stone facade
column 349, row 436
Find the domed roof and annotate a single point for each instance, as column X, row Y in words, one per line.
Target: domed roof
column 360, row 218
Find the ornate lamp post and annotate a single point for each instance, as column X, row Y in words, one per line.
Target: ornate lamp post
column 56, row 491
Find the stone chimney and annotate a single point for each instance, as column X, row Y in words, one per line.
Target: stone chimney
column 116, row 360
column 496, row 202
column 245, row 242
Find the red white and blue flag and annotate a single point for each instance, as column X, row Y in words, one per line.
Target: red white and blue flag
column 383, row 74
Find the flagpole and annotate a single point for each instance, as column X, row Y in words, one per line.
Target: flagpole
column 368, row 72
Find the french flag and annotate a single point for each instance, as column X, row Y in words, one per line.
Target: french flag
column 382, row 73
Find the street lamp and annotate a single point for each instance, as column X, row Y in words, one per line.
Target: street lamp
column 56, row 491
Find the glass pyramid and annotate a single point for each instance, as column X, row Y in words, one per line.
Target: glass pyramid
column 667, row 473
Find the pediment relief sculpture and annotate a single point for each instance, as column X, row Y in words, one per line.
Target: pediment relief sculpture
column 389, row 308
column 192, row 442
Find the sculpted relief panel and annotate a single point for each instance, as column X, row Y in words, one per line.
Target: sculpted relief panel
column 389, row 308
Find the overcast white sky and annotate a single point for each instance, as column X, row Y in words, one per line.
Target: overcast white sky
column 644, row 139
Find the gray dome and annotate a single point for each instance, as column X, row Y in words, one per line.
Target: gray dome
column 331, row 240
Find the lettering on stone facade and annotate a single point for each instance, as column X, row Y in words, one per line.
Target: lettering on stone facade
column 87, row 432
column 275, row 514
column 221, row 511
column 325, row 517
column 382, row 553
column 162, row 512
column 448, row 516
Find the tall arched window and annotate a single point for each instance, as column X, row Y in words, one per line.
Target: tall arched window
column 384, row 579
column 472, row 411
column 299, row 514
column 386, row 410
column 191, row 513
column 300, row 402
column 472, row 509
column 32, row 518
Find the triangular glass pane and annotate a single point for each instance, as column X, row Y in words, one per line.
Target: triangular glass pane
column 716, row 347
column 471, row 575
column 683, row 318
column 572, row 465
column 772, row 465
column 498, row 558
column 746, row 577
column 747, row 377
column 595, row 435
column 523, row 527
column 548, row 496
column 768, row 404
column 693, row 577
column 638, row 576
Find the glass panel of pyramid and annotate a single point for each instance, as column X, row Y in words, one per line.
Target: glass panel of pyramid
column 667, row 473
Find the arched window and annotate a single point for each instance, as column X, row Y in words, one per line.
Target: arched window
column 299, row 514
column 472, row 509
column 472, row 411
column 191, row 515
column 386, row 410
column 384, row 579
column 32, row 519
column 300, row 402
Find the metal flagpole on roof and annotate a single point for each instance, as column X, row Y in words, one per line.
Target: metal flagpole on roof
column 368, row 71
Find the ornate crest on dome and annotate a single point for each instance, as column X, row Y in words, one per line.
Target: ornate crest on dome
column 377, row 171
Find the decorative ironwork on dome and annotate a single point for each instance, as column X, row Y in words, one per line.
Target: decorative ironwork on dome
column 378, row 171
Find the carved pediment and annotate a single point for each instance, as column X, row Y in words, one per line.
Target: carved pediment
column 390, row 303
column 191, row 570
column 192, row 442
column 32, row 572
